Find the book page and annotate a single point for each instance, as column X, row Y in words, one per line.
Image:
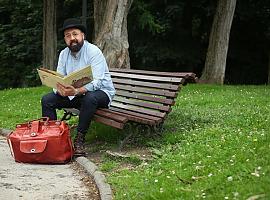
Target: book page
column 52, row 72
column 77, row 78
column 50, row 79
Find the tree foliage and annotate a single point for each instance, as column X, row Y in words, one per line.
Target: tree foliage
column 169, row 33
column 21, row 38
column 163, row 35
column 249, row 43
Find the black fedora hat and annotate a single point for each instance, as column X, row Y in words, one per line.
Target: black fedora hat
column 73, row 23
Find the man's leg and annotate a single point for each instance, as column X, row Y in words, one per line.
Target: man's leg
column 51, row 101
column 89, row 104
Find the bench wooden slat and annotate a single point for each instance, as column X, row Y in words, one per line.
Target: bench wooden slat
column 72, row 110
column 134, row 118
column 148, row 78
column 112, row 116
column 147, row 84
column 123, row 115
column 101, row 113
column 146, row 90
column 138, row 109
column 142, row 104
column 145, row 97
column 185, row 75
column 139, row 115
column 108, row 122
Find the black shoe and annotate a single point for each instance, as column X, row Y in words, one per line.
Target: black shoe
column 79, row 152
column 79, row 145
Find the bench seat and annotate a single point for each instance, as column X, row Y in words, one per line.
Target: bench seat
column 143, row 97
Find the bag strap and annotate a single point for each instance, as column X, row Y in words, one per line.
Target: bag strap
column 34, row 127
column 43, row 119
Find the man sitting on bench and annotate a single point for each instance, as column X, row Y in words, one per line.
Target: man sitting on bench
column 97, row 94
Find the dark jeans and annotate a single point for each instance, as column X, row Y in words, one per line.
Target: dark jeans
column 87, row 104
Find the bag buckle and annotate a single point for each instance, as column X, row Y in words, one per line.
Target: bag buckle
column 32, row 150
column 33, row 134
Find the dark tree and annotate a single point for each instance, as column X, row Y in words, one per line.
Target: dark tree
column 49, row 34
column 215, row 64
column 110, row 35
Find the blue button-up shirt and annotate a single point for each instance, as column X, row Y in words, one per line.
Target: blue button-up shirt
column 91, row 55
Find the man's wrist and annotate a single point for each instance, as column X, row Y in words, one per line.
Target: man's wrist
column 77, row 92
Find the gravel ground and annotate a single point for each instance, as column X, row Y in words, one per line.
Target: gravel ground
column 42, row 182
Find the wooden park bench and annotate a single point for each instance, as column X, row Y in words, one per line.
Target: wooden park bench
column 142, row 98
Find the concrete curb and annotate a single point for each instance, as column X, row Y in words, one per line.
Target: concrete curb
column 99, row 178
column 4, row 132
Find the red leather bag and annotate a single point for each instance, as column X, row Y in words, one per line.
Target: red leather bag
column 41, row 141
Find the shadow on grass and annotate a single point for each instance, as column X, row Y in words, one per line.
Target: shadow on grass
column 183, row 122
column 105, row 137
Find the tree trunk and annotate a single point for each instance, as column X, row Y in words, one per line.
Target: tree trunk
column 49, row 34
column 110, row 33
column 215, row 64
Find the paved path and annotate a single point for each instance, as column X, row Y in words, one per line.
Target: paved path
column 38, row 182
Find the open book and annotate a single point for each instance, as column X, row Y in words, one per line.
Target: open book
column 77, row 78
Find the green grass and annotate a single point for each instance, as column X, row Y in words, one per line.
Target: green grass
column 20, row 105
column 215, row 144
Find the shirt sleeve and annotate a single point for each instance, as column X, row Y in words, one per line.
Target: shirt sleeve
column 61, row 68
column 99, row 66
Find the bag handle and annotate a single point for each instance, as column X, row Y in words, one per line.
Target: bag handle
column 34, row 124
column 42, row 119
column 34, row 127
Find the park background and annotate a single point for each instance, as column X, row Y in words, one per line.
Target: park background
column 215, row 142
column 154, row 35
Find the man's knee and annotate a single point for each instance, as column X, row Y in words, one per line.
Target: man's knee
column 48, row 99
column 89, row 98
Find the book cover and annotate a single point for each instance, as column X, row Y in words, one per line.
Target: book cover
column 77, row 78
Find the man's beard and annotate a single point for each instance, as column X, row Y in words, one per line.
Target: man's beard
column 77, row 47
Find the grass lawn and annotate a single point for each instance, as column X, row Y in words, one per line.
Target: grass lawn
column 215, row 145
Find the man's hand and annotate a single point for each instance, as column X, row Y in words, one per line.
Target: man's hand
column 65, row 90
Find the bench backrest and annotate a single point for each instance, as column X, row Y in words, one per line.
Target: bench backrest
column 148, row 93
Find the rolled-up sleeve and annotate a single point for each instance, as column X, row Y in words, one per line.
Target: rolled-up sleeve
column 99, row 66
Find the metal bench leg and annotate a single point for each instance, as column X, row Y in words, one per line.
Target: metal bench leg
column 158, row 129
column 66, row 116
column 127, row 130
